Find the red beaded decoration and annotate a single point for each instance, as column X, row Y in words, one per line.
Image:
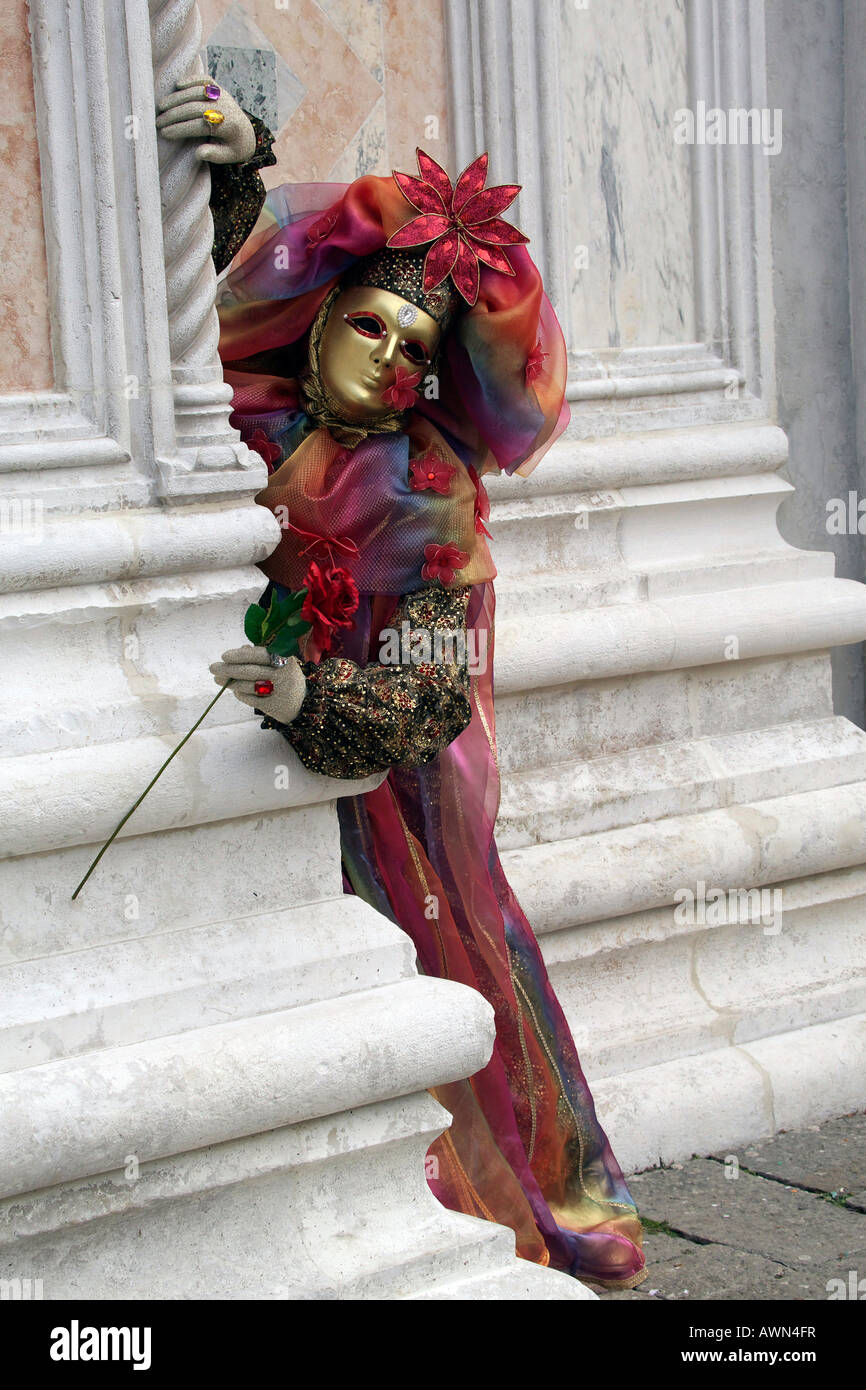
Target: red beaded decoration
column 264, row 687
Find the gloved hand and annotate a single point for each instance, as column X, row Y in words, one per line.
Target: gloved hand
column 182, row 118
column 245, row 666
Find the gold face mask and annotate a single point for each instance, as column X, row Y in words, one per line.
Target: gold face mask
column 369, row 333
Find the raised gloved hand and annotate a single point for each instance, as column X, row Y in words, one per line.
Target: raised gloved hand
column 229, row 141
column 247, row 667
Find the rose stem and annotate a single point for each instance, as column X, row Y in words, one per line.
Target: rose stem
column 152, row 781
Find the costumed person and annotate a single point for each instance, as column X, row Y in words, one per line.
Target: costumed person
column 389, row 342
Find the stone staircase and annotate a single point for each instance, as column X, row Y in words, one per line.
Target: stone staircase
column 665, row 719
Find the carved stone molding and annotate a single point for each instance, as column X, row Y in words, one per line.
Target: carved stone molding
column 207, row 446
column 503, row 73
column 84, row 424
column 727, row 71
column 505, row 96
column 139, row 409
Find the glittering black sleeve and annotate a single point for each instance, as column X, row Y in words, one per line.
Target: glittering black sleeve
column 236, row 197
column 359, row 720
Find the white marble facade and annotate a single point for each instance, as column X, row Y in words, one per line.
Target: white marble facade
column 627, row 185
column 244, row 1082
column 672, row 736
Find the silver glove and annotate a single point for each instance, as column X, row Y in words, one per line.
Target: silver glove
column 245, row 666
column 182, row 118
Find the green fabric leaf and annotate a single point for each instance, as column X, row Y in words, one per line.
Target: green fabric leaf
column 253, row 622
column 279, row 612
column 285, row 643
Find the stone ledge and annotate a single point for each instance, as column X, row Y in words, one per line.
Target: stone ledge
column 563, row 801
column 331, row 1209
column 80, row 1117
column 656, row 456
column 679, row 631
column 648, row 988
column 137, row 543
column 733, row 1095
column 613, row 873
column 76, row 796
column 521, row 1282
column 169, row 982
column 378, row 1126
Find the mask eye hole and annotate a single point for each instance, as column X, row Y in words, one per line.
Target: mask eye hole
column 414, row 351
column 368, row 325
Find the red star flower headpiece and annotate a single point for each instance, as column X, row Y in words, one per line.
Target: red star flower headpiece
column 462, row 221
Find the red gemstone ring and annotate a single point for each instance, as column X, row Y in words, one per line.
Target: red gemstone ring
column 264, row 687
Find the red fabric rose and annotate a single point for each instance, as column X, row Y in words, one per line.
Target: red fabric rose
column 332, row 598
column 265, row 447
column 431, row 472
column 401, row 394
column 321, row 228
column 443, row 561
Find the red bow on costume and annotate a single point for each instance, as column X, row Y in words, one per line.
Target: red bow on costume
column 482, row 503
column 344, row 545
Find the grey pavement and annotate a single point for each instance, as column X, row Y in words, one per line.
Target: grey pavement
column 783, row 1218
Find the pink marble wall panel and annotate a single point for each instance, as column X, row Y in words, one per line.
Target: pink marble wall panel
column 25, row 354
column 358, row 84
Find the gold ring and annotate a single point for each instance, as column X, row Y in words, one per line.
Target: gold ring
column 213, row 117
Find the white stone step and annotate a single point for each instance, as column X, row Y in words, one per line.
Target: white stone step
column 563, row 801
column 599, row 584
column 651, row 457
column 678, row 631
column 518, row 1282
column 336, row 1208
column 80, row 1116
column 617, row 872
column 127, row 991
column 581, row 722
column 726, row 1098
column 643, row 989
column 223, row 772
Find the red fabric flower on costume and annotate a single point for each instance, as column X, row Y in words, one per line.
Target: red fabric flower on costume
column 321, row 228
column 432, row 472
column 535, row 364
column 462, row 221
column 401, row 394
column 265, row 447
column 443, row 561
column 332, row 598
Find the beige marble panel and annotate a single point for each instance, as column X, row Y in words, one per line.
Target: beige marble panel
column 367, row 153
column 339, row 91
column 25, row 353
column 416, row 81
column 374, row 74
column 360, row 23
column 628, row 195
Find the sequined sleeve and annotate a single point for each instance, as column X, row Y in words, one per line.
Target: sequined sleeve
column 359, row 720
column 237, row 195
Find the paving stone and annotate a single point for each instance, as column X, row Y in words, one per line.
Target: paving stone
column 687, row 1272
column 828, row 1158
column 759, row 1238
column 752, row 1214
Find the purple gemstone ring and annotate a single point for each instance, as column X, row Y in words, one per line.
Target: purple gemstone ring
column 212, row 91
